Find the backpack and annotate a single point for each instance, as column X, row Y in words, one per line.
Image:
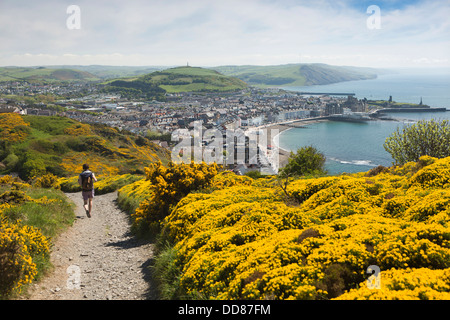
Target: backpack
column 87, row 183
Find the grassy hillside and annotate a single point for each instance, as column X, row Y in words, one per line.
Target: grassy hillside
column 181, row 79
column 185, row 79
column 44, row 74
column 296, row 74
column 34, row 146
column 111, row 72
column 30, row 218
column 243, row 238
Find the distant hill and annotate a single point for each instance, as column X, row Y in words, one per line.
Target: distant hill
column 35, row 145
column 185, row 79
column 154, row 82
column 296, row 74
column 44, row 74
column 174, row 80
column 112, row 72
column 179, row 79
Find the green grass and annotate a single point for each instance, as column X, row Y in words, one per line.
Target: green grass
column 167, row 273
column 128, row 204
column 188, row 79
column 54, row 125
column 51, row 218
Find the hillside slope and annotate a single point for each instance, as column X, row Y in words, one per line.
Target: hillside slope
column 296, row 74
column 34, row 145
column 111, row 72
column 44, row 74
column 185, row 79
column 181, row 79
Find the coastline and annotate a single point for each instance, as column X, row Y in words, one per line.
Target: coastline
column 284, row 154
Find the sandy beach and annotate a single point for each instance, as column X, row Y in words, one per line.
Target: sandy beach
column 283, row 126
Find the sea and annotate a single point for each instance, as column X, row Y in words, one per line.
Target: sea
column 356, row 147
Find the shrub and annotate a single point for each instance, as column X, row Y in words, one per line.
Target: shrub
column 240, row 240
column 169, row 185
column 69, row 185
column 78, row 129
column 47, row 181
column 337, row 279
column 406, row 284
column 14, row 128
column 13, row 197
column 424, row 138
column 33, row 168
column 11, row 161
column 307, row 161
column 20, row 247
column 131, row 195
column 29, row 218
column 113, row 183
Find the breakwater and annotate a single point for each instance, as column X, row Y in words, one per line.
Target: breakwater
column 397, row 110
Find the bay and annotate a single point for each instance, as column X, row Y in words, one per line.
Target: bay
column 404, row 86
column 356, row 147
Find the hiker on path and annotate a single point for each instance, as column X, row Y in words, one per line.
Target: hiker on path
column 86, row 180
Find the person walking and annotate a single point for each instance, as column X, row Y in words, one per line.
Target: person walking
column 86, row 180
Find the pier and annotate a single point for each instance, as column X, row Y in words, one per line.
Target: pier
column 395, row 110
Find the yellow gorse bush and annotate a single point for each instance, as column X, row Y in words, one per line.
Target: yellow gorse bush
column 12, row 126
column 406, row 284
column 170, row 184
column 140, row 189
column 48, row 181
column 238, row 239
column 20, row 245
column 78, row 129
column 97, row 164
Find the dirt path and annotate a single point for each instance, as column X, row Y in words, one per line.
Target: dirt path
column 97, row 258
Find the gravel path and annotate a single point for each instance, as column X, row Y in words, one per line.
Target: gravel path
column 98, row 258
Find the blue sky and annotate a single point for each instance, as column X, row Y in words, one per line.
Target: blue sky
column 414, row 33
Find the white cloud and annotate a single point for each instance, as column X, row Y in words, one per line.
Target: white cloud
column 170, row 32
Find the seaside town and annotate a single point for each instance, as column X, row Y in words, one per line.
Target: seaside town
column 251, row 108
